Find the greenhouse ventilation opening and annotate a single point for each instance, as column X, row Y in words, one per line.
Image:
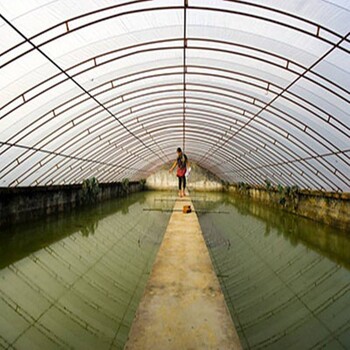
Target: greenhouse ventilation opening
column 95, row 98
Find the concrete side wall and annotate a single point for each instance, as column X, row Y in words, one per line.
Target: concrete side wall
column 199, row 180
column 330, row 208
column 25, row 203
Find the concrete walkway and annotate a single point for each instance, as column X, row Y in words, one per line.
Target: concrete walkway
column 183, row 306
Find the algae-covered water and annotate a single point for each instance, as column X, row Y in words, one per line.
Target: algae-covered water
column 75, row 281
column 286, row 279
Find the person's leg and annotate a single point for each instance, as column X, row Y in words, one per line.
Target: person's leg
column 184, row 185
column 180, row 183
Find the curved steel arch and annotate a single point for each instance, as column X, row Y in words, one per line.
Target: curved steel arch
column 184, row 6
column 285, row 89
column 335, row 187
column 339, row 122
column 135, row 134
column 255, row 178
column 244, row 101
column 255, row 98
column 269, row 83
column 217, row 106
column 189, row 73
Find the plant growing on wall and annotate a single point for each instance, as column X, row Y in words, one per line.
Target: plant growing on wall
column 90, row 190
column 268, row 185
column 294, row 195
column 288, row 195
column 225, row 185
column 280, row 189
column 126, row 185
column 143, row 184
column 243, row 188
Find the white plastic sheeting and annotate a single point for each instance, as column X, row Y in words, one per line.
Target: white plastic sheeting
column 252, row 90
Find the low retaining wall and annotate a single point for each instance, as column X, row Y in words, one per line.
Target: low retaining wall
column 327, row 207
column 21, row 204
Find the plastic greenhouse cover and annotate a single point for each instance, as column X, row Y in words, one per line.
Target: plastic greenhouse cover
column 112, row 88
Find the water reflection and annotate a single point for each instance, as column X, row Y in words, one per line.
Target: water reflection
column 76, row 281
column 19, row 240
column 286, row 279
column 332, row 242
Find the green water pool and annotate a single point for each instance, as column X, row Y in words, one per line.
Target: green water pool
column 75, row 281
column 286, row 279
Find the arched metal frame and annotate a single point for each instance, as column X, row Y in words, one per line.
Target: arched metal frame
column 243, row 126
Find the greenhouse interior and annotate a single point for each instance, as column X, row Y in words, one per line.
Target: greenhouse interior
column 175, row 174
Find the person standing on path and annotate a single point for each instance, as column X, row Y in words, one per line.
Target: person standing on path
column 182, row 164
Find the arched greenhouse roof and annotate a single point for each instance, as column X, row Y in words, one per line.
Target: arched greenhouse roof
column 252, row 90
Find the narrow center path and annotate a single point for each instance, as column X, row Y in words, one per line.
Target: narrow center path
column 183, row 306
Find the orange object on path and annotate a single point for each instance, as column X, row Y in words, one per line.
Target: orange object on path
column 186, row 209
